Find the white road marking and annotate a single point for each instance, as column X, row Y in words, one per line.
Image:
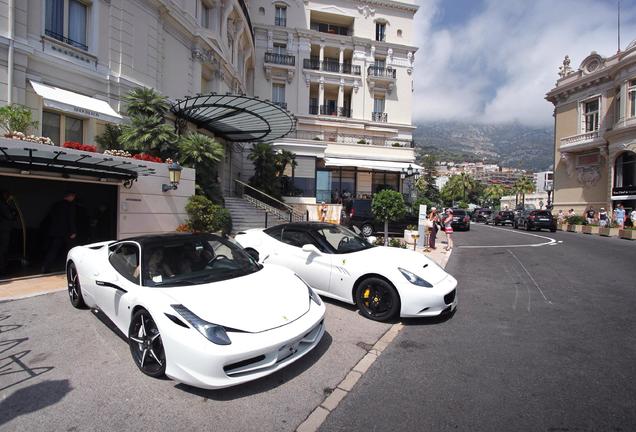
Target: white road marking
column 550, row 241
column 531, row 278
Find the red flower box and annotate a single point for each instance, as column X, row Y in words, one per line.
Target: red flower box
column 146, row 157
column 82, row 147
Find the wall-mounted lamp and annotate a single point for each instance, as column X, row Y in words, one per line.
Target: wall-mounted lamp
column 174, row 173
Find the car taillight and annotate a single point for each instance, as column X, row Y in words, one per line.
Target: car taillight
column 466, row 219
column 351, row 213
column 531, row 217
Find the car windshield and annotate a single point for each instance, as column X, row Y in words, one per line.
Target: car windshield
column 341, row 239
column 542, row 213
column 194, row 260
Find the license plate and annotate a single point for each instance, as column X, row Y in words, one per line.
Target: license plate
column 288, row 351
column 543, row 220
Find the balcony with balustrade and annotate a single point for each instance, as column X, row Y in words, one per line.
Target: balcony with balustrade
column 273, row 60
column 583, row 141
column 381, row 117
column 380, row 76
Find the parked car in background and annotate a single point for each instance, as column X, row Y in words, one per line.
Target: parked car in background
column 535, row 219
column 461, row 220
column 501, row 218
column 481, row 214
column 358, row 213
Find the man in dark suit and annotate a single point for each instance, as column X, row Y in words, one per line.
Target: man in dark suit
column 7, row 216
column 62, row 229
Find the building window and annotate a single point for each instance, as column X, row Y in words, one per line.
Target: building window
column 617, row 105
column 632, row 98
column 278, row 94
column 380, row 29
column 205, row 15
column 378, row 104
column 280, row 18
column 51, row 126
column 54, row 123
column 280, row 48
column 230, row 45
column 74, row 32
column 261, row 10
column 591, row 115
column 399, row 32
column 625, row 170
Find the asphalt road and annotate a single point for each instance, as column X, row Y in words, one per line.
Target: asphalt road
column 63, row 369
column 544, row 339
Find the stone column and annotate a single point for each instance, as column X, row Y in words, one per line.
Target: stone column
column 321, row 57
column 341, row 59
column 321, row 93
column 341, row 94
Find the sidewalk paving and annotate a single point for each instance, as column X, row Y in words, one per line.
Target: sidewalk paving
column 29, row 287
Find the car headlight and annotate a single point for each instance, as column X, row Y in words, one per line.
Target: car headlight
column 213, row 332
column 414, row 279
column 312, row 295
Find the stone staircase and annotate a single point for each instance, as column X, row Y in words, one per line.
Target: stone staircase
column 245, row 215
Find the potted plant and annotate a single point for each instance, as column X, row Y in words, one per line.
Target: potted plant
column 388, row 205
column 627, row 233
column 409, row 232
column 590, row 229
column 609, row 231
column 575, row 223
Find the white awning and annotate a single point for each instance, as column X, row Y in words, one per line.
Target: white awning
column 75, row 103
column 371, row 164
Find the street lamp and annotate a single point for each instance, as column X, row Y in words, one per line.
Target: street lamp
column 174, row 174
column 548, row 186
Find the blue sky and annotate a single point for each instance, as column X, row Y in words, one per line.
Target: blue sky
column 493, row 61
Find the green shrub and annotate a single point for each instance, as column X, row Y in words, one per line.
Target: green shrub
column 396, row 144
column 16, row 118
column 362, row 141
column 397, row 243
column 576, row 220
column 388, row 205
column 205, row 216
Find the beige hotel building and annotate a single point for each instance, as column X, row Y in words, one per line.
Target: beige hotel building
column 595, row 132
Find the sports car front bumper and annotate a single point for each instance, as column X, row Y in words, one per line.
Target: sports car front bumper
column 194, row 360
column 422, row 302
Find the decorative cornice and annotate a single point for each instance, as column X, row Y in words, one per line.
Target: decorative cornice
column 391, row 4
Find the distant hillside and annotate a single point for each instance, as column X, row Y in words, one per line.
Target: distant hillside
column 510, row 145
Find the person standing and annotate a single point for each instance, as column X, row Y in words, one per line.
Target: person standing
column 632, row 217
column 603, row 219
column 619, row 215
column 434, row 220
column 448, row 229
column 560, row 217
column 7, row 216
column 590, row 215
column 62, row 229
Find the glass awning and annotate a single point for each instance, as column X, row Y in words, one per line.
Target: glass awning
column 70, row 162
column 236, row 118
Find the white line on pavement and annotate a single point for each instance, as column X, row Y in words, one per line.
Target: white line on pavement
column 550, row 241
column 530, row 276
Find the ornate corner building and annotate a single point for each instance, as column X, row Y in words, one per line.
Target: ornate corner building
column 345, row 69
column 595, row 132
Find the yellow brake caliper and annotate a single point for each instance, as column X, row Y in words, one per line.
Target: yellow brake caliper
column 366, row 295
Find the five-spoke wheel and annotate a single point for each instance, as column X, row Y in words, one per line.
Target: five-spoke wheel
column 74, row 287
column 377, row 299
column 145, row 344
column 367, row 230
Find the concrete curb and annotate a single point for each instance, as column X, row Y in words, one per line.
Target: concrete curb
column 318, row 416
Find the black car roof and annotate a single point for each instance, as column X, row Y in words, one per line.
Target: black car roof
column 166, row 237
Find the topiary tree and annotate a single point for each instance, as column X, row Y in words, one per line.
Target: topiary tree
column 205, row 216
column 388, row 205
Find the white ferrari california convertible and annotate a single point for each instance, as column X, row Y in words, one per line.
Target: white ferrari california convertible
column 196, row 307
column 382, row 281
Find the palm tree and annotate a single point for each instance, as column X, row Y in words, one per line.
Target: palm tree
column 199, row 151
column 522, row 186
column 148, row 134
column 495, row 192
column 109, row 139
column 466, row 183
column 284, row 158
column 263, row 157
column 144, row 101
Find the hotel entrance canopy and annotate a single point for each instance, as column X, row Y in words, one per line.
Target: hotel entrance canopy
column 27, row 157
column 236, row 118
column 379, row 165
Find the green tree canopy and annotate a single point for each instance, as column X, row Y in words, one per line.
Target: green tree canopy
column 142, row 101
column 388, row 205
column 203, row 153
column 16, row 118
column 522, row 186
column 457, row 188
column 264, row 159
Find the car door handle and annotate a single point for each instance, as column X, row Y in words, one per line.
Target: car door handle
column 110, row 285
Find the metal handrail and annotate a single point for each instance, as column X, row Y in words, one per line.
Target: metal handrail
column 293, row 215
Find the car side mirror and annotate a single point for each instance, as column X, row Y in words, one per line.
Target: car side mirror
column 311, row 249
column 254, row 254
column 371, row 239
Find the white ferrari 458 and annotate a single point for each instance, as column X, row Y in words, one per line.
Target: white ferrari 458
column 196, row 307
column 382, row 281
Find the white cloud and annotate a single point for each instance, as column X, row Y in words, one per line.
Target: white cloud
column 498, row 65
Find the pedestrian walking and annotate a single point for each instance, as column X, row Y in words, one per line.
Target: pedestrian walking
column 433, row 218
column 561, row 217
column 571, row 212
column 62, row 229
column 603, row 218
column 7, row 216
column 632, row 217
column 448, row 229
column 619, row 215
column 590, row 215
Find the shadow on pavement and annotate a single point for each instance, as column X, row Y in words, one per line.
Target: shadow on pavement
column 440, row 319
column 266, row 383
column 33, row 398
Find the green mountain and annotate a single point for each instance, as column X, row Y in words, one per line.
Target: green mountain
column 510, row 145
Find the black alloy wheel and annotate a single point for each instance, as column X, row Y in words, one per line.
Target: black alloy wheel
column 74, row 287
column 145, row 344
column 367, row 230
column 377, row 299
